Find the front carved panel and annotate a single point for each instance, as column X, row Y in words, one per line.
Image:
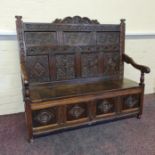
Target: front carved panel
column 40, row 38
column 105, row 106
column 38, row 68
column 131, row 101
column 76, row 111
column 65, row 67
column 44, row 117
column 78, row 38
column 89, row 63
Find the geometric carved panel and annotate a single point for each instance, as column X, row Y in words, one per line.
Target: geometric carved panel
column 44, row 117
column 40, row 38
column 65, row 67
column 105, row 106
column 111, row 63
column 78, row 38
column 131, row 101
column 38, row 68
column 76, row 111
column 89, row 64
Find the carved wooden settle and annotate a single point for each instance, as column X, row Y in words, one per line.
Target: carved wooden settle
column 72, row 74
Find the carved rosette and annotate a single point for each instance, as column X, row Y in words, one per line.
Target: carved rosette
column 131, row 101
column 44, row 117
column 75, row 20
column 76, row 111
column 105, row 106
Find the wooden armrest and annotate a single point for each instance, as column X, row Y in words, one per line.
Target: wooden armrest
column 24, row 74
column 25, row 81
column 129, row 60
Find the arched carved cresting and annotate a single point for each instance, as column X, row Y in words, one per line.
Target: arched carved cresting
column 75, row 20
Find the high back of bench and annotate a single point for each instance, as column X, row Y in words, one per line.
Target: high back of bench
column 70, row 49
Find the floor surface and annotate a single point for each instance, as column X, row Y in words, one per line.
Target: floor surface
column 125, row 137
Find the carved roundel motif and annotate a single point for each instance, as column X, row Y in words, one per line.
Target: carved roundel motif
column 105, row 106
column 76, row 111
column 44, row 116
column 131, row 101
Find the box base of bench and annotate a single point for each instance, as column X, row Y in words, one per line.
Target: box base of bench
column 64, row 114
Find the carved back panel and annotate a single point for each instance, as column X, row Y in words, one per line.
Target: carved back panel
column 72, row 48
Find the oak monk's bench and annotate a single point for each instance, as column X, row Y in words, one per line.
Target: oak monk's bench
column 72, row 74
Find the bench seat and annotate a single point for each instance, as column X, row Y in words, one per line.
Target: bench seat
column 51, row 91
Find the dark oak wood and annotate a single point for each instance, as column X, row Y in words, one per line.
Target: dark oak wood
column 72, row 74
column 143, row 69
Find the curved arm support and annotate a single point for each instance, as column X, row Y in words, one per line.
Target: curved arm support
column 143, row 69
column 129, row 60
